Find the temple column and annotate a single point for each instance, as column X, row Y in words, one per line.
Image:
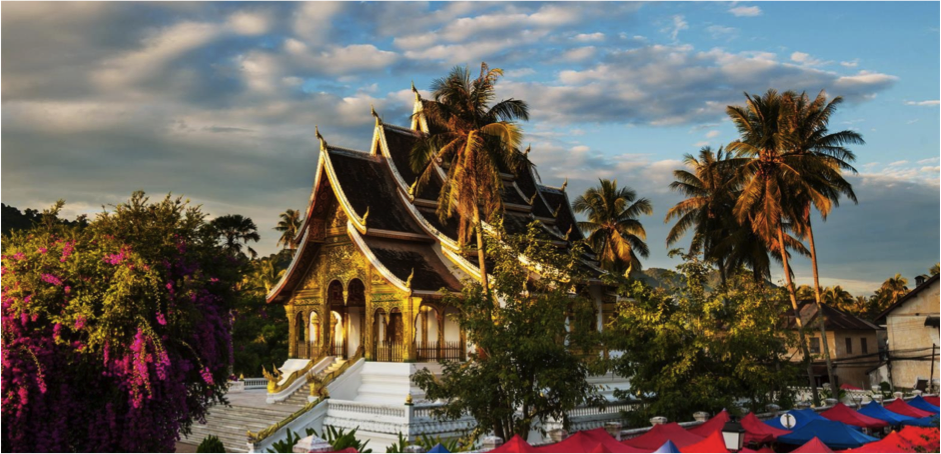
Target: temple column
column 439, row 315
column 292, row 335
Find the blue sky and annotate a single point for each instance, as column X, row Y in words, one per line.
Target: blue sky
column 218, row 101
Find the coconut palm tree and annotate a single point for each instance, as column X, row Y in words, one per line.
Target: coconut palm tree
column 839, row 298
column 893, row 289
column 473, row 138
column 614, row 232
column 288, row 225
column 806, row 133
column 266, row 274
column 773, row 179
column 236, row 231
column 708, row 184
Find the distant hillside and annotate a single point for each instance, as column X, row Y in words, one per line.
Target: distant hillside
column 664, row 278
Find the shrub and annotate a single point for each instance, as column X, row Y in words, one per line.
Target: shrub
column 211, row 444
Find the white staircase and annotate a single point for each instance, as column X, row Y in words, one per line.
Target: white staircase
column 231, row 423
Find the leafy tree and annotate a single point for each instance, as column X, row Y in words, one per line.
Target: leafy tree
column 614, row 232
column 474, row 141
column 537, row 362
column 288, row 225
column 236, row 231
column 839, row 298
column 687, row 349
column 115, row 336
column 935, row 269
column 777, row 182
column 211, row 443
column 260, row 330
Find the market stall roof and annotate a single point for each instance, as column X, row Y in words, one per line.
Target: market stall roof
column 515, row 444
column 933, row 400
column 814, row 445
column 834, row 434
column 922, row 404
column 874, row 410
column 586, row 440
column 899, row 406
column 891, row 443
column 760, row 432
column 438, row 448
column 847, row 415
column 668, row 447
column 927, row 438
column 713, row 443
column 849, row 387
column 802, row 417
column 927, row 421
column 716, row 423
column 662, row 433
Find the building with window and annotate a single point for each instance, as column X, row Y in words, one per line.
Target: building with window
column 911, row 326
column 856, row 345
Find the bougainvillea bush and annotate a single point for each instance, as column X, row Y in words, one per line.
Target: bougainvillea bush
column 115, row 335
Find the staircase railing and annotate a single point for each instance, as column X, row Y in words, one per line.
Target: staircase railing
column 270, row 430
column 318, row 385
column 317, row 354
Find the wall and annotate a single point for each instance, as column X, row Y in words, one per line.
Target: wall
column 908, row 336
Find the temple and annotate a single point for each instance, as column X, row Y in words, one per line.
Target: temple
column 373, row 255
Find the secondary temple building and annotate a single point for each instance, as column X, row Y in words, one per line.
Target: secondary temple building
column 373, row 254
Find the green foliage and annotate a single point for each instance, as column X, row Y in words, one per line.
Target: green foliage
column 526, row 367
column 687, row 349
column 398, row 446
column 260, row 331
column 287, row 444
column 451, row 444
column 13, row 220
column 340, row 439
column 210, row 444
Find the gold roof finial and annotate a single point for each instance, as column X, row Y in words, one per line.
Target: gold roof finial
column 365, row 216
column 408, row 282
column 323, row 142
column 528, row 147
column 564, row 184
column 555, row 213
column 569, row 232
column 411, row 189
column 408, row 399
column 372, row 110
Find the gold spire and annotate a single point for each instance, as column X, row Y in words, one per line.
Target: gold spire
column 411, row 189
column 372, row 110
column 365, row 216
column 564, row 184
column 528, row 147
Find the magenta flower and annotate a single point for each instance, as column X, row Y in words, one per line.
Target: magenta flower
column 67, row 250
column 51, row 279
column 42, row 250
column 161, row 319
column 207, row 376
column 80, row 322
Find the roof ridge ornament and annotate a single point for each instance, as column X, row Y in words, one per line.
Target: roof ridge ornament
column 532, row 200
column 365, row 216
column 372, row 110
column 564, row 184
column 408, row 282
column 569, row 232
column 528, row 148
column 323, row 142
column 555, row 213
column 412, row 188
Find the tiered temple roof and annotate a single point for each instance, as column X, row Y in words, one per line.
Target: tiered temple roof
column 398, row 229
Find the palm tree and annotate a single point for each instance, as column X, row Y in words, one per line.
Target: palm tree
column 806, row 133
column 474, row 141
column 708, row 186
column 773, row 177
column 266, row 274
column 614, row 232
column 934, row 269
column 839, row 298
column 288, row 225
column 236, row 231
column 893, row 289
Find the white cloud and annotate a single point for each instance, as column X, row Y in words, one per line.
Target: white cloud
column 806, row 60
column 247, row 23
column 588, row 37
column 745, row 11
column 712, row 134
column 850, row 64
column 934, row 102
column 578, row 54
column 679, row 24
column 721, row 32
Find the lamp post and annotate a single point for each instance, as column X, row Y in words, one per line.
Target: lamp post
column 734, row 435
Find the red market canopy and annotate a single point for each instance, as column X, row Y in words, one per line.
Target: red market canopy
column 891, row 443
column 763, row 449
column 933, row 400
column 587, row 441
column 660, row 434
column 924, row 437
column 847, row 415
column 715, row 423
column 814, row 445
column 759, row 432
column 899, row 406
column 516, row 444
column 712, row 443
column 849, row 387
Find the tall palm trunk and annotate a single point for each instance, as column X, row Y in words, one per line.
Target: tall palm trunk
column 480, row 252
column 821, row 318
column 797, row 316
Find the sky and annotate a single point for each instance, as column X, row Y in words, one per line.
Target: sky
column 218, row 101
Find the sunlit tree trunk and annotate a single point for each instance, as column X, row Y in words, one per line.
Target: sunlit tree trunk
column 821, row 318
column 797, row 316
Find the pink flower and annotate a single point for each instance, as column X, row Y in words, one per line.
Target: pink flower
column 42, row 250
column 114, row 259
column 51, row 279
column 161, row 319
column 80, row 322
column 19, row 256
column 207, row 376
column 67, row 250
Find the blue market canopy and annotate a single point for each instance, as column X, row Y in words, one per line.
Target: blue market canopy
column 834, row 434
column 922, row 404
column 438, row 448
column 930, row 421
column 668, row 447
column 801, row 417
column 874, row 410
